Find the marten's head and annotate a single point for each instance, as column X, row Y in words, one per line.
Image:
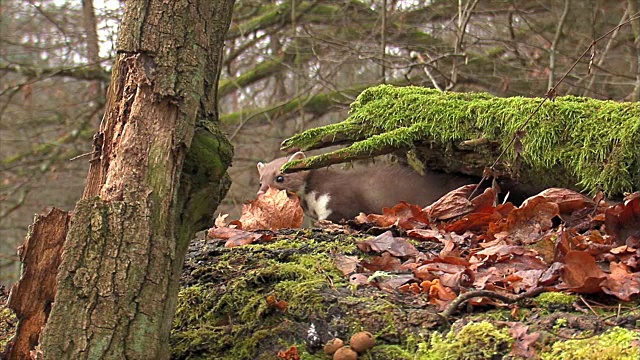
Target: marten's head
column 271, row 176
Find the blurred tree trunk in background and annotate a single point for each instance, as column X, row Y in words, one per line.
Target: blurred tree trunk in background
column 288, row 65
column 118, row 281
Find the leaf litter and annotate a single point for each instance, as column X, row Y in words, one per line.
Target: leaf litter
column 557, row 240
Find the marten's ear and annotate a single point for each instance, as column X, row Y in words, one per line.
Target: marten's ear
column 260, row 166
column 297, row 156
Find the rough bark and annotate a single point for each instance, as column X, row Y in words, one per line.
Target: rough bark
column 31, row 297
column 118, row 281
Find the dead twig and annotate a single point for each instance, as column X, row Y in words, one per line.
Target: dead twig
column 509, row 299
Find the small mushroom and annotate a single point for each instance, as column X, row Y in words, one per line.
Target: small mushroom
column 362, row 341
column 333, row 345
column 345, row 353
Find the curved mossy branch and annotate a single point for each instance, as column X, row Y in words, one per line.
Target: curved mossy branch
column 590, row 143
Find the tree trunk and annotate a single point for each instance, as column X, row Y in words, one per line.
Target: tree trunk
column 143, row 201
column 91, row 29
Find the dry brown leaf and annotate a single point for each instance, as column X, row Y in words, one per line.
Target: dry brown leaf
column 358, row 279
column 392, row 283
column 623, row 221
column 485, row 200
column 526, row 224
column 523, row 345
column 387, row 242
column 272, row 210
column 622, row 283
column 234, row 237
column 404, row 215
column 385, row 262
column 568, row 200
column 346, row 264
column 427, row 234
column 452, row 204
column 580, row 273
column 479, row 221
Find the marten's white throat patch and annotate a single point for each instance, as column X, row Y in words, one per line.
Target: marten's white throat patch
column 318, row 206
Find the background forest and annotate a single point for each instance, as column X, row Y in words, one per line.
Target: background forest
column 289, row 66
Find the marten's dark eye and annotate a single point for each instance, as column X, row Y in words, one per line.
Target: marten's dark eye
column 279, row 178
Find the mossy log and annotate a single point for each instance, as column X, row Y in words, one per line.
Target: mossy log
column 223, row 312
column 574, row 142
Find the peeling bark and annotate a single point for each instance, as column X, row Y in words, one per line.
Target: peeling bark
column 31, row 297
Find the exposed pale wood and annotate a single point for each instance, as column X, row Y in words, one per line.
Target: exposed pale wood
column 32, row 295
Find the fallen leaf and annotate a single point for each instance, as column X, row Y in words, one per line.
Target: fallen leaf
column 427, row 234
column 568, row 200
column 234, row 237
column 474, row 222
column 403, row 215
column 396, row 246
column 346, row 264
column 358, row 279
column 485, row 200
column 451, row 205
column 385, row 262
column 392, row 283
column 623, row 221
column 621, row 283
column 551, row 275
column 272, row 210
column 523, row 344
column 526, row 224
column 580, row 273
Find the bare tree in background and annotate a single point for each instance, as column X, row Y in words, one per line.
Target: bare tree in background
column 291, row 65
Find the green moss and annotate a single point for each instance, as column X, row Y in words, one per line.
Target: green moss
column 595, row 141
column 8, row 322
column 234, row 318
column 481, row 340
column 560, row 323
column 615, row 344
column 388, row 352
column 553, row 301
